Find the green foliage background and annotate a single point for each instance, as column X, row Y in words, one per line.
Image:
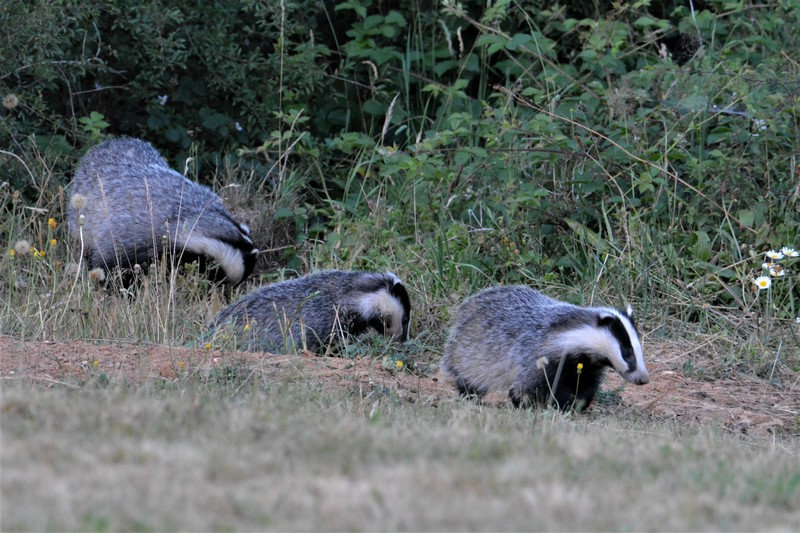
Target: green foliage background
column 648, row 152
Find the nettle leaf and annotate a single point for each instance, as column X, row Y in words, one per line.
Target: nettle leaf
column 283, row 212
column 589, row 236
column 719, row 134
column 212, row 120
column 372, row 21
column 700, row 245
column 355, row 5
column 395, row 17
column 56, row 145
column 746, row 217
column 494, row 43
column 519, row 39
column 374, row 107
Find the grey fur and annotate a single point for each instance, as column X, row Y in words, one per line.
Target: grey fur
column 309, row 311
column 500, row 334
column 130, row 198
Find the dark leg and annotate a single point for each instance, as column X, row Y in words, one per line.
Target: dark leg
column 468, row 390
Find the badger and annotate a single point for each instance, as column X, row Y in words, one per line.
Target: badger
column 126, row 205
column 539, row 349
column 310, row 311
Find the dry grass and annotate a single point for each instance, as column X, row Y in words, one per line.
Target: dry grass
column 290, row 453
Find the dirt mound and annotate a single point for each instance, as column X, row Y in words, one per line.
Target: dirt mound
column 742, row 404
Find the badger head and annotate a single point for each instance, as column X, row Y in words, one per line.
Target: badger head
column 249, row 255
column 609, row 337
column 381, row 301
column 235, row 257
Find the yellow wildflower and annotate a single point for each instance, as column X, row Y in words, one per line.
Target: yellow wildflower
column 12, row 252
column 207, row 346
column 95, row 363
column 398, row 365
column 181, row 364
column 580, row 367
column 51, row 223
column 246, row 328
column 53, row 242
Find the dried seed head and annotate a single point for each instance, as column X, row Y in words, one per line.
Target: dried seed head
column 71, row 269
column 10, row 101
column 78, row 201
column 97, row 275
column 22, row 247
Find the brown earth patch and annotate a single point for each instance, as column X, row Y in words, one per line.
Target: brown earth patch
column 742, row 403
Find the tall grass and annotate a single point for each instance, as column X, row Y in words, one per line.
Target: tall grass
column 629, row 258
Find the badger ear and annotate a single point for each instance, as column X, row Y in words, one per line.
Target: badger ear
column 629, row 311
column 605, row 319
column 398, row 290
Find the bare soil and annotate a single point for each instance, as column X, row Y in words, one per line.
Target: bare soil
column 742, row 403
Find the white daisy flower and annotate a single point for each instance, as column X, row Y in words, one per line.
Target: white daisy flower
column 762, row 282
column 789, row 252
column 774, row 255
column 777, row 271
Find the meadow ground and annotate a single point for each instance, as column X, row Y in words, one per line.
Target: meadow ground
column 613, row 154
column 131, row 436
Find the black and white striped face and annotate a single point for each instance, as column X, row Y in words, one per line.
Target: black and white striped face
column 610, row 336
column 248, row 252
column 236, row 259
column 626, row 356
column 386, row 307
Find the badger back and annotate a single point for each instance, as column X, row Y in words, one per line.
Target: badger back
column 494, row 333
column 307, row 310
column 132, row 202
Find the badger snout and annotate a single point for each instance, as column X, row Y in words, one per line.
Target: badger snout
column 638, row 377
